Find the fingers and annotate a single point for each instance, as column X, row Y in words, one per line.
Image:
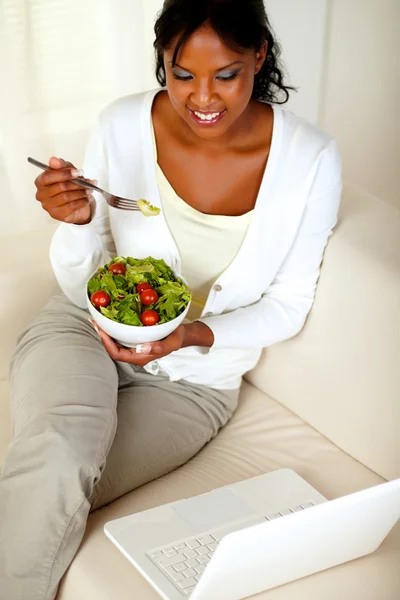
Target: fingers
column 65, row 186
column 155, row 348
column 67, row 198
column 69, row 212
column 116, row 351
column 57, row 175
column 61, row 170
column 170, row 344
column 59, row 163
column 138, row 357
column 60, row 196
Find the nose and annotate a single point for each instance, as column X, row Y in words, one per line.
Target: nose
column 203, row 95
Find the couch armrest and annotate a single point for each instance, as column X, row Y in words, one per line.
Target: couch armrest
column 341, row 373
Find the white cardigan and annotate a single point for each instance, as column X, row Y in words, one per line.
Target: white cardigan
column 264, row 296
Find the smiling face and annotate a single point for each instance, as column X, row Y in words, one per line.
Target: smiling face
column 211, row 85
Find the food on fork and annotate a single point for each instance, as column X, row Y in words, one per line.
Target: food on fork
column 147, row 209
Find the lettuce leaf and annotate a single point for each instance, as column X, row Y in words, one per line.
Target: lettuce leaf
column 130, row 317
column 147, row 209
column 94, row 285
column 173, row 299
column 110, row 312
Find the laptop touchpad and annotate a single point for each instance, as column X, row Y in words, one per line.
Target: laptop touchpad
column 213, row 509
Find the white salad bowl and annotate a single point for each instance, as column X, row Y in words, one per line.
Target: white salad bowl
column 132, row 335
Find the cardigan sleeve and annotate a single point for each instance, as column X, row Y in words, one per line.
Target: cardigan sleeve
column 282, row 310
column 76, row 251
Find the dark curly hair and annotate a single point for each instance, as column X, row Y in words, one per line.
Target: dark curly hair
column 241, row 24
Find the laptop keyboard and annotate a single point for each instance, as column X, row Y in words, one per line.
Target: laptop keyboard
column 185, row 562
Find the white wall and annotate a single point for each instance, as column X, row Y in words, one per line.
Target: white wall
column 362, row 95
column 344, row 57
column 300, row 26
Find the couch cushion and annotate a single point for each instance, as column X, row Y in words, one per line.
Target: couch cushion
column 5, row 419
column 28, row 278
column 341, row 374
column 261, row 437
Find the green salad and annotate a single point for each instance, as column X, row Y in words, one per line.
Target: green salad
column 139, row 292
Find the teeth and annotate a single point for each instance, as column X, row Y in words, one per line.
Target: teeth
column 209, row 117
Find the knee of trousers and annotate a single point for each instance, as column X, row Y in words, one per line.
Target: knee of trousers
column 53, row 329
column 55, row 457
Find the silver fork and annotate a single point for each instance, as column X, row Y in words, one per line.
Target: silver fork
column 114, row 201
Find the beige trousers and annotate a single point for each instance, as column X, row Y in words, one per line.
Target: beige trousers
column 86, row 431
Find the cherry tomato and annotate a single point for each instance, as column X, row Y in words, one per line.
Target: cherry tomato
column 149, row 317
column 143, row 286
column 117, row 269
column 100, row 298
column 148, row 297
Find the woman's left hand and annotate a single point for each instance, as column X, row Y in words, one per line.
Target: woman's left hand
column 188, row 334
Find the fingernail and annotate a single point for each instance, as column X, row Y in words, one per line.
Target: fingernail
column 88, row 192
column 77, row 172
column 143, row 348
column 94, row 325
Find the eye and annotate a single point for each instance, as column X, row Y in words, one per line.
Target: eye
column 228, row 77
column 181, row 77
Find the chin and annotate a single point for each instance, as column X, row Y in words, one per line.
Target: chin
column 210, row 134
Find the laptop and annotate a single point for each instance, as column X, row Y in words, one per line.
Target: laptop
column 254, row 535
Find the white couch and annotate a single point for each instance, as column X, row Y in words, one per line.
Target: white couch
column 326, row 404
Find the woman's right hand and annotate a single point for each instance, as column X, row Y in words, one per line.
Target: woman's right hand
column 63, row 199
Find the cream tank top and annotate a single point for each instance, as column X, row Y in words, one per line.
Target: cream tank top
column 207, row 244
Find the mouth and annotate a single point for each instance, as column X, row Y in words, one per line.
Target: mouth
column 206, row 119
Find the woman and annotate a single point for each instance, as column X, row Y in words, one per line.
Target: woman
column 249, row 196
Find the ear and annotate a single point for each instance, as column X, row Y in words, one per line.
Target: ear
column 261, row 55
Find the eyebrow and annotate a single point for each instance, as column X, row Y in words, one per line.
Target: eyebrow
column 237, row 62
